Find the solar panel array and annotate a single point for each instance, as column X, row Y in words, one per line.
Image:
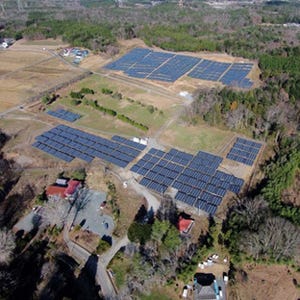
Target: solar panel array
column 236, row 75
column 144, row 67
column 166, row 66
column 196, row 178
column 174, row 68
column 129, row 59
column 244, row 151
column 67, row 143
column 64, row 115
column 209, row 70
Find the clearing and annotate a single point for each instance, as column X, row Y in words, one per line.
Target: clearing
column 266, row 282
column 137, row 104
column 194, row 138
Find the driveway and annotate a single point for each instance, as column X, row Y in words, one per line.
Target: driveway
column 89, row 214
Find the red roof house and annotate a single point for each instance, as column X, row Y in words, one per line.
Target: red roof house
column 73, row 185
column 54, row 190
column 185, row 225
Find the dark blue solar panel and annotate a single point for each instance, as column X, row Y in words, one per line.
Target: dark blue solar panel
column 236, row 76
column 209, row 70
column 244, row 151
column 174, row 68
column 128, row 59
column 64, row 115
column 66, row 143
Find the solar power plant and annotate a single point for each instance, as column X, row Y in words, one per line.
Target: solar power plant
column 144, row 67
column 209, row 70
column 236, row 75
column 64, row 115
column 129, row 59
column 174, row 68
column 168, row 67
column 244, row 151
column 196, row 178
column 68, row 143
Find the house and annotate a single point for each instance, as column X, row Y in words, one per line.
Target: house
column 64, row 188
column 185, row 225
column 72, row 189
column 55, row 191
column 206, row 287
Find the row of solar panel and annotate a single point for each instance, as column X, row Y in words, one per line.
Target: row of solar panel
column 145, row 63
column 244, row 151
column 75, row 143
column 117, row 158
column 127, row 142
column 248, row 143
column 158, row 187
column 208, row 207
column 87, row 146
column 243, row 160
column 64, row 115
column 53, row 152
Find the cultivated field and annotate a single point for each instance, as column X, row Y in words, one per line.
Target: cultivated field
column 27, row 73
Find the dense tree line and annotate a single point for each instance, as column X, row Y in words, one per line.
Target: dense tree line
column 280, row 175
column 80, row 34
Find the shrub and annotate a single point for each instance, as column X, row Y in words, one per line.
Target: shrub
column 86, row 90
column 75, row 102
column 76, row 95
column 106, row 91
column 102, row 246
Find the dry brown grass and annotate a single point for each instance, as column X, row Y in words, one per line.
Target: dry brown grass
column 266, row 282
column 85, row 239
column 28, row 73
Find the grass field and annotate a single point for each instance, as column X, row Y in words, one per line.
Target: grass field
column 195, row 138
column 97, row 82
column 140, row 111
column 25, row 74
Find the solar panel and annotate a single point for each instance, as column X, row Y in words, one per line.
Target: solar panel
column 244, row 151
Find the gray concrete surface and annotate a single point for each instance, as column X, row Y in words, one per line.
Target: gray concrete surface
column 90, row 216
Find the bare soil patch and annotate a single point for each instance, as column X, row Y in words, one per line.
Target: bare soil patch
column 85, row 239
column 266, row 282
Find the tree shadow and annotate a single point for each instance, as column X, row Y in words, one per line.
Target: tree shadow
column 87, row 280
column 107, row 239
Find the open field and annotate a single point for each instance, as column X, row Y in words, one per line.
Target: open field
column 135, row 104
column 267, row 282
column 195, row 138
column 25, row 74
column 40, row 44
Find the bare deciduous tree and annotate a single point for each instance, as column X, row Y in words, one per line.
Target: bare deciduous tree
column 7, row 245
column 277, row 238
column 55, row 212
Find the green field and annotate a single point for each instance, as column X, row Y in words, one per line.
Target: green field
column 195, row 138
